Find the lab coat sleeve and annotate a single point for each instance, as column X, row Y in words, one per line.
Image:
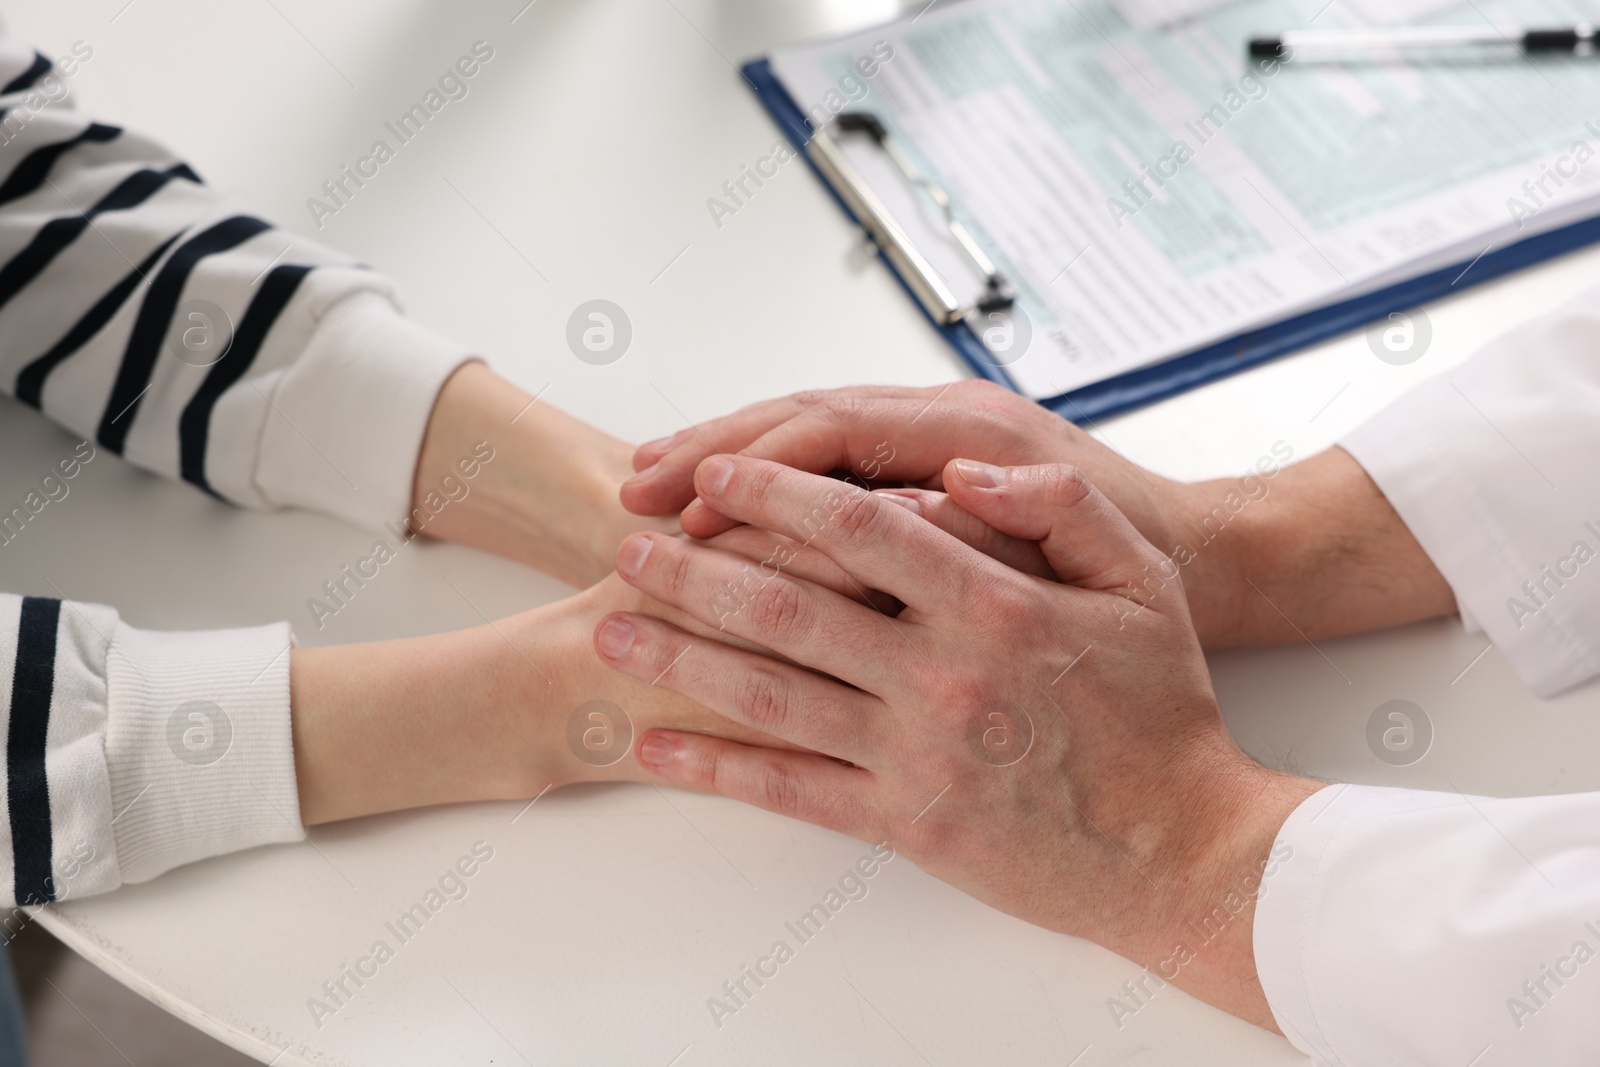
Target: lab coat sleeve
column 1421, row 928
column 1495, row 468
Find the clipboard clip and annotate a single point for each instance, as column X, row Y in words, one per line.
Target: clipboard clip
column 930, row 287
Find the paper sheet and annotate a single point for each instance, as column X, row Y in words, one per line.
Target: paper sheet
column 1149, row 195
column 1150, row 14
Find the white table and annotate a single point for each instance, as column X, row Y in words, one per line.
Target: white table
column 578, row 168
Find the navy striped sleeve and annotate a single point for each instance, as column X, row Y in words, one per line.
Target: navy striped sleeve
column 27, row 786
column 150, row 315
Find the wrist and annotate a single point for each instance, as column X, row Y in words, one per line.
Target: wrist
column 577, row 686
column 1213, row 531
column 509, row 474
column 448, row 718
column 1315, row 551
column 549, row 501
column 1201, row 938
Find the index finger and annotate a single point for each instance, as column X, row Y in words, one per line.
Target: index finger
column 879, row 544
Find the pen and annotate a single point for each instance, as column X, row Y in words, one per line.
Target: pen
column 1343, row 44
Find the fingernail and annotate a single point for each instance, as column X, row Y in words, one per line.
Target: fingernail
column 715, row 474
column 910, row 503
column 615, row 638
column 660, row 444
column 656, row 751
column 646, row 474
column 631, row 556
column 981, row 475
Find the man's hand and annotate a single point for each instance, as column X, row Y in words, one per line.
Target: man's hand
column 886, row 433
column 1053, row 749
column 1277, row 555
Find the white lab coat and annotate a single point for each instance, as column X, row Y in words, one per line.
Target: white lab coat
column 1411, row 927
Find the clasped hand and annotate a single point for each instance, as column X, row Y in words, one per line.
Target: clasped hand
column 1052, row 747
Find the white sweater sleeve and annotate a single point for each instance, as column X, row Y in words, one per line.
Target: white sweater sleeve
column 1419, row 928
column 129, row 752
column 1493, row 467
column 143, row 311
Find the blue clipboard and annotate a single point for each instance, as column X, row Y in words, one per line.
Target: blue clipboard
column 1161, row 380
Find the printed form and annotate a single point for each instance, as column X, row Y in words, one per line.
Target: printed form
column 1149, row 194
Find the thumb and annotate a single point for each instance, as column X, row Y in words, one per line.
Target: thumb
column 1085, row 539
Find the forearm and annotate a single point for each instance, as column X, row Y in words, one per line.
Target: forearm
column 400, row 724
column 1199, row 935
column 478, row 714
column 548, row 497
column 1314, row 551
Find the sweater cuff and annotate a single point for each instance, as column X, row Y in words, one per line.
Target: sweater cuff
column 354, row 410
column 198, row 745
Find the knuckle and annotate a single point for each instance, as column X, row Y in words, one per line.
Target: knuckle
column 994, row 402
column 782, row 790
column 763, row 700
column 953, row 691
column 836, row 416
column 1008, row 603
column 997, row 599
column 1068, row 486
column 963, row 692
column 714, row 772
column 676, row 574
column 757, row 480
column 661, row 655
column 777, row 610
column 845, row 409
column 856, row 516
column 977, row 388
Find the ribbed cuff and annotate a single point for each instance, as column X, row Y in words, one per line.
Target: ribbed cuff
column 198, row 745
column 354, row 410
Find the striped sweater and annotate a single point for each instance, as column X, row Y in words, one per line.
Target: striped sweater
column 152, row 317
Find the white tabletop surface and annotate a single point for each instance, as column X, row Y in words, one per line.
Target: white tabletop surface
column 578, row 168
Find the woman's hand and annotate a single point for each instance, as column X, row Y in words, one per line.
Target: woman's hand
column 1053, row 749
column 514, row 707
